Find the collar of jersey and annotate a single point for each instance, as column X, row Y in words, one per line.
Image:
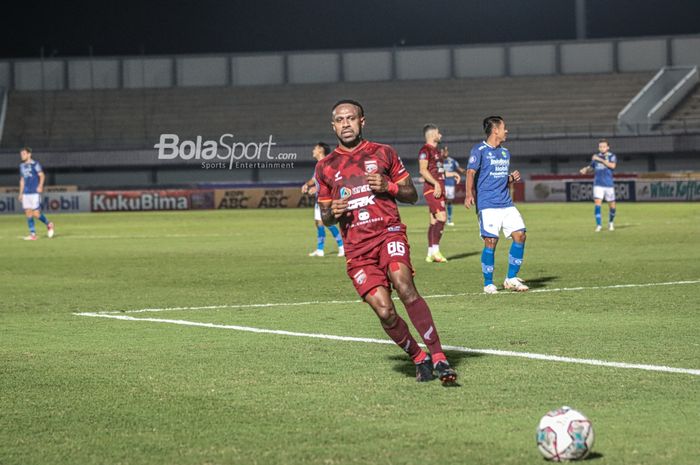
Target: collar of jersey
column 344, row 150
column 489, row 145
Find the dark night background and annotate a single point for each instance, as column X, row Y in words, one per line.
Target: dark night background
column 215, row 26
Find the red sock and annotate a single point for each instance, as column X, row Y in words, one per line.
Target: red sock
column 400, row 334
column 422, row 319
column 430, row 235
column 437, row 232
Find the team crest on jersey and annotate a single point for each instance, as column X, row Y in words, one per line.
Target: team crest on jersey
column 345, row 193
column 371, row 166
column 504, row 153
column 360, row 277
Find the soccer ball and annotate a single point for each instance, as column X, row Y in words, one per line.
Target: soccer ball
column 564, row 434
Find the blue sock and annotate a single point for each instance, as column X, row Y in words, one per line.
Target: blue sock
column 449, row 212
column 515, row 258
column 336, row 235
column 30, row 221
column 597, row 215
column 487, row 261
column 43, row 219
column 612, row 214
column 320, row 237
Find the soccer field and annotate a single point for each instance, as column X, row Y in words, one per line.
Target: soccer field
column 211, row 338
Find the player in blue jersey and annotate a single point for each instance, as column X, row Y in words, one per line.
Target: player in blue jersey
column 319, row 153
column 452, row 178
column 31, row 185
column 488, row 185
column 603, row 164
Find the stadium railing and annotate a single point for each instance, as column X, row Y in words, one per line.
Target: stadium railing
column 3, row 109
column 661, row 94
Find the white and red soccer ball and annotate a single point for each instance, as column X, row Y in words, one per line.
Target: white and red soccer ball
column 565, row 434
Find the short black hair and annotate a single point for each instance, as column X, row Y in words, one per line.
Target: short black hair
column 428, row 127
column 326, row 148
column 490, row 122
column 604, row 141
column 26, row 149
column 351, row 102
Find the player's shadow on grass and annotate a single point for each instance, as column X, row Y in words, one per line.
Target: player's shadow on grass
column 460, row 256
column 591, row 456
column 540, row 282
column 408, row 368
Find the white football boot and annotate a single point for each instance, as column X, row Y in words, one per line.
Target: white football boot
column 515, row 284
column 490, row 289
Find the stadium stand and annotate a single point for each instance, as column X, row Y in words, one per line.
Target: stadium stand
column 688, row 109
column 126, row 118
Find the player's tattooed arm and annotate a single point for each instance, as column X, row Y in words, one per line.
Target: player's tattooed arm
column 403, row 191
column 332, row 211
column 407, row 191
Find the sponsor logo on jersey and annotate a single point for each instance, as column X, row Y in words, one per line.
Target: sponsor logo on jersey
column 371, row 166
column 361, row 189
column 345, row 193
column 360, row 277
column 363, row 215
column 393, row 228
column 361, row 202
column 472, row 159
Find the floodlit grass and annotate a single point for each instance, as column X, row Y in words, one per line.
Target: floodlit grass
column 81, row 390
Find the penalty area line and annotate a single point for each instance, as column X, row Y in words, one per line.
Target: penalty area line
column 496, row 352
column 435, row 296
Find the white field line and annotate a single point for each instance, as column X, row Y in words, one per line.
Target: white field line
column 435, row 296
column 143, row 236
column 502, row 353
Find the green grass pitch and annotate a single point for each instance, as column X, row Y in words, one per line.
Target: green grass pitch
column 81, row 390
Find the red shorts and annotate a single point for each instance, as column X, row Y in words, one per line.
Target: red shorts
column 435, row 205
column 370, row 270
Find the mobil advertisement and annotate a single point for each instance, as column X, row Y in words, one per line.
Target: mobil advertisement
column 151, row 200
column 53, row 202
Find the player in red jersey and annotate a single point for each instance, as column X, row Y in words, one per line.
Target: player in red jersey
column 430, row 162
column 358, row 185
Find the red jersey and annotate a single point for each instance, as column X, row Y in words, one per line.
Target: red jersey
column 432, row 155
column 343, row 174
